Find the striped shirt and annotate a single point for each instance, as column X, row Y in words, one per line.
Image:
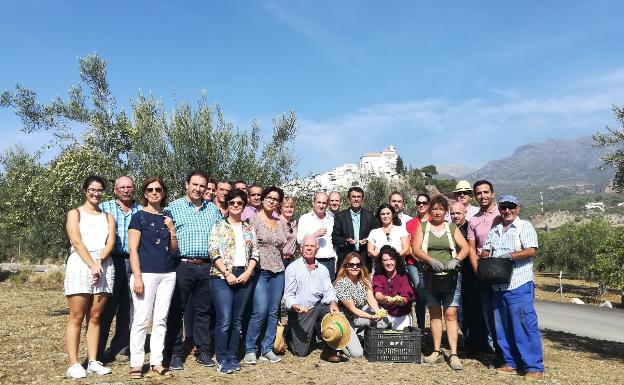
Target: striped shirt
column 307, row 288
column 122, row 219
column 193, row 226
column 499, row 243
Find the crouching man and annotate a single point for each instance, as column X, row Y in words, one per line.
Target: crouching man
column 309, row 295
column 517, row 332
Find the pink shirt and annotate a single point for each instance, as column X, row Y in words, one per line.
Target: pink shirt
column 480, row 225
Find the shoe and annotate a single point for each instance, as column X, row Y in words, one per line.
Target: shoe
column 76, row 371
column 434, row 358
column 97, row 368
column 223, row 367
column 205, row 359
column 176, row 362
column 455, row 363
column 534, row 376
column 330, row 355
column 506, row 369
column 250, row 358
column 271, row 357
column 234, row 364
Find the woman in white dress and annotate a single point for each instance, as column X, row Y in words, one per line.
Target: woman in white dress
column 89, row 275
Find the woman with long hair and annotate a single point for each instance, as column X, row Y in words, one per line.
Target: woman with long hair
column 442, row 247
column 89, row 275
column 153, row 245
column 356, row 299
column 388, row 232
column 392, row 288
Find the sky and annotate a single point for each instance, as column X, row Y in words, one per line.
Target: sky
column 449, row 82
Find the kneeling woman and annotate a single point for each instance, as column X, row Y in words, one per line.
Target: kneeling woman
column 233, row 250
column 392, row 287
column 355, row 293
column 153, row 244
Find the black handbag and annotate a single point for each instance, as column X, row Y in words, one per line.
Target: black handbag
column 495, row 271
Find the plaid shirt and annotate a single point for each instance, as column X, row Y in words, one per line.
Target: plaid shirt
column 122, row 219
column 499, row 243
column 193, row 227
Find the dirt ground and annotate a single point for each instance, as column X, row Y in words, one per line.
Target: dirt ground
column 33, row 317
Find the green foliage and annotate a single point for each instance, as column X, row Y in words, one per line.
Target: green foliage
column 614, row 139
column 150, row 142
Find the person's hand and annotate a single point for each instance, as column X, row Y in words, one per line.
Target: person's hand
column 138, row 285
column 506, row 256
column 96, row 270
column 333, row 308
column 231, row 279
column 437, row 266
column 453, row 264
column 400, row 300
column 300, row 309
column 320, row 232
column 243, row 278
column 287, row 257
column 169, row 223
column 351, row 241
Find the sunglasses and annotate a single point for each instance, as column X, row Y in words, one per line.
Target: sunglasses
column 354, row 265
column 462, row 193
column 508, row 206
column 290, row 227
column 235, row 203
column 420, row 203
column 153, row 189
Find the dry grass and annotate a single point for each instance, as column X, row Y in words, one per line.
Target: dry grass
column 32, row 350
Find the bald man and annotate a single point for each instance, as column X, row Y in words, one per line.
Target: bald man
column 319, row 224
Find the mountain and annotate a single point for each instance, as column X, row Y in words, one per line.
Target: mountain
column 454, row 170
column 556, row 166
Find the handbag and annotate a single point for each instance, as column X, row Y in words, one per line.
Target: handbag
column 495, row 271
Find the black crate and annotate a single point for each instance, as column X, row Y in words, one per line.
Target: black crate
column 385, row 345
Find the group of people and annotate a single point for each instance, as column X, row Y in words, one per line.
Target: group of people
column 216, row 266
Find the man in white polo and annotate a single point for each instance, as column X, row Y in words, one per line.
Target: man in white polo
column 320, row 225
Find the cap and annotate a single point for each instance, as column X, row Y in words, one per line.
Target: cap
column 508, row 199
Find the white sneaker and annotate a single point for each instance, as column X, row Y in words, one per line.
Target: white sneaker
column 76, row 371
column 97, row 368
column 271, row 357
column 250, row 358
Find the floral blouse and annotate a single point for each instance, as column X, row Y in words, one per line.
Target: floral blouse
column 222, row 244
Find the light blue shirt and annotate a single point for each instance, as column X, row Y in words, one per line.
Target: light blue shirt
column 122, row 219
column 307, row 288
column 355, row 217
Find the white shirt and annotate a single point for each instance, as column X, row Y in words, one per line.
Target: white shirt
column 404, row 218
column 308, row 224
column 239, row 257
column 379, row 238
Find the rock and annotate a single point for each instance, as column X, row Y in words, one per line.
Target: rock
column 606, row 304
column 577, row 301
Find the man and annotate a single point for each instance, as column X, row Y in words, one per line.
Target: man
column 211, row 188
column 119, row 303
column 319, row 224
column 458, row 216
column 240, row 185
column 396, row 201
column 483, row 338
column 463, row 193
column 335, row 200
column 517, row 331
column 193, row 218
column 352, row 226
column 223, row 188
column 309, row 295
column 254, row 202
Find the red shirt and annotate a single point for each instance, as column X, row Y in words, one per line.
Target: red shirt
column 397, row 285
column 411, row 226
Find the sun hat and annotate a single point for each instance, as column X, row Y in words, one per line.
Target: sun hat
column 462, row 185
column 336, row 331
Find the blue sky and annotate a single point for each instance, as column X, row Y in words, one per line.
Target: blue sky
column 445, row 82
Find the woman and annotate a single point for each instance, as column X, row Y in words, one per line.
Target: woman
column 271, row 234
column 355, row 293
column 437, row 243
column 392, row 288
column 389, row 232
column 89, row 274
column 413, row 266
column 233, row 250
column 153, row 245
column 287, row 210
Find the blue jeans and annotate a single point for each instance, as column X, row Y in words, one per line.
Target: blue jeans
column 267, row 298
column 229, row 303
column 517, row 332
column 416, row 277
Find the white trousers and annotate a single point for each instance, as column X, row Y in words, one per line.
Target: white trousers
column 152, row 305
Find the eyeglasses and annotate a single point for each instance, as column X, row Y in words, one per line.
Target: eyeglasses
column 421, row 203
column 95, row 191
column 508, row 206
column 354, row 265
column 388, row 237
column 236, row 203
column 272, row 199
column 153, row 189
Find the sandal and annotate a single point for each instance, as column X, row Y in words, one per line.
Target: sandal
column 136, row 374
column 165, row 372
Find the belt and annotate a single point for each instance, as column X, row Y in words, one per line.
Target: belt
column 195, row 261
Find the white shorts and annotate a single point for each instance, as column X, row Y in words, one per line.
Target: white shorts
column 79, row 280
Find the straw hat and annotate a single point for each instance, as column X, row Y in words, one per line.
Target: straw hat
column 279, row 346
column 336, row 330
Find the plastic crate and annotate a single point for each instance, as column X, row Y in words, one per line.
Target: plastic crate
column 385, row 345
